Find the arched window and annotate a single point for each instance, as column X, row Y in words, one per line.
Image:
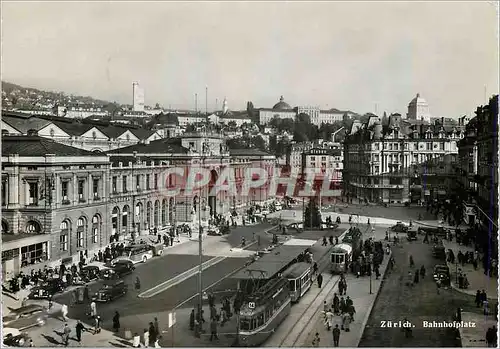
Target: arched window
column 80, row 227
column 125, row 218
column 164, row 212
column 157, row 213
column 64, row 236
column 95, row 229
column 33, row 227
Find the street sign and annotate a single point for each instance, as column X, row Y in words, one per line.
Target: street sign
column 171, row 319
column 251, row 305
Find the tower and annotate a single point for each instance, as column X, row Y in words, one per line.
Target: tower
column 138, row 97
column 224, row 106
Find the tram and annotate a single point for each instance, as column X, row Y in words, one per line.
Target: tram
column 262, row 313
column 299, row 276
column 341, row 258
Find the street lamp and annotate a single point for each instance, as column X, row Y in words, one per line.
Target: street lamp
column 371, row 270
column 202, row 206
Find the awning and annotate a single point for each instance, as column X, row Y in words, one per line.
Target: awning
column 21, row 240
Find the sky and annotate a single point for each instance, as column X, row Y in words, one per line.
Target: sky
column 361, row 56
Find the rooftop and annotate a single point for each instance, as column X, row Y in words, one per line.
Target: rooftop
column 38, row 146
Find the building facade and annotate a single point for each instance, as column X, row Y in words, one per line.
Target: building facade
column 418, row 109
column 478, row 167
column 56, row 208
column 384, row 163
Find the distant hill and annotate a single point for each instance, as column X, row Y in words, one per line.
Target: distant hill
column 32, row 96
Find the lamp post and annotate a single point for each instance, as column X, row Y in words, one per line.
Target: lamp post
column 370, row 260
column 202, row 206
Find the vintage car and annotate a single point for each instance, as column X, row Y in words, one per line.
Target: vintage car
column 110, row 292
column 442, row 273
column 47, row 289
column 438, row 231
column 120, row 268
column 25, row 317
column 12, row 337
column 438, row 251
column 90, row 273
column 411, row 235
column 399, row 227
column 213, row 231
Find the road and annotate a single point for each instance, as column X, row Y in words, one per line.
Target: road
column 397, row 301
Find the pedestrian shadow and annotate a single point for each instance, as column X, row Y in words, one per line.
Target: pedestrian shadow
column 51, row 339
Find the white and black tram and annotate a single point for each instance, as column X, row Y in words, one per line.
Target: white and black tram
column 299, row 276
column 266, row 299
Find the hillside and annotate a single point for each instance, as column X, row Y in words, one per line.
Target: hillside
column 17, row 96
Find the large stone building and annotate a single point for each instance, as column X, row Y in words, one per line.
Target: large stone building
column 282, row 110
column 418, row 109
column 383, row 162
column 478, row 168
column 59, row 202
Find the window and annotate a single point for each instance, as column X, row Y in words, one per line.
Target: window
column 124, row 184
column 147, row 182
column 34, row 254
column 429, row 146
column 95, row 229
column 33, row 193
column 81, row 189
column 52, row 132
column 115, row 180
column 95, row 187
column 138, row 182
column 441, row 146
column 4, row 191
column 156, row 180
column 63, row 239
column 94, row 135
column 313, row 158
column 127, row 137
column 64, row 191
column 79, row 238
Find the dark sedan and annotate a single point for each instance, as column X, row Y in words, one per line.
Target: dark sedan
column 110, row 292
column 25, row 317
column 120, row 268
column 47, row 289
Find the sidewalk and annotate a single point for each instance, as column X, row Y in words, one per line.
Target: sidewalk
column 358, row 291
column 473, row 337
column 477, row 279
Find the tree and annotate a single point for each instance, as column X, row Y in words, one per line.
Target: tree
column 252, row 113
column 304, row 118
column 232, row 124
column 258, row 142
column 312, row 217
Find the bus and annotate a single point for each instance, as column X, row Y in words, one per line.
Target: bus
column 136, row 254
column 299, row 277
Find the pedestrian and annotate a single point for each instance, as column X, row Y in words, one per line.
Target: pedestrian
column 329, row 319
column 157, row 344
column 491, row 337
column 320, row 280
column 136, row 342
column 137, row 283
column 93, row 309
column 336, row 304
column 336, row 335
column 64, row 312
column 412, row 263
column 213, row 330
column 422, row 272
column 415, row 279
column 346, row 321
column 315, row 268
column 341, row 287
column 438, row 285
column 74, row 296
column 478, row 299
column 191, row 320
column 157, row 328
column 65, row 334
column 342, row 305
column 153, row 335
column 325, row 243
column 116, row 321
column 316, row 340
column 79, row 329
column 146, row 337
column 97, row 322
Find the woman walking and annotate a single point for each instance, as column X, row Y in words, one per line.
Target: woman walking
column 116, row 322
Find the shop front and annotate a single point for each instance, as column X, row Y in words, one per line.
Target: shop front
column 24, row 252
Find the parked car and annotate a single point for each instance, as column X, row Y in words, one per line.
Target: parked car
column 120, row 269
column 47, row 289
column 12, row 337
column 411, row 235
column 399, row 227
column 442, row 273
column 90, row 272
column 110, row 292
column 438, row 251
column 26, row 317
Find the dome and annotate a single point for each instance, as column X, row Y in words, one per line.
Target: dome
column 418, row 100
column 282, row 105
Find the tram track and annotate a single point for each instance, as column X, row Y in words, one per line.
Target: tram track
column 322, row 265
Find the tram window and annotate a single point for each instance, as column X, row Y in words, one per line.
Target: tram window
column 292, row 285
column 260, row 320
column 254, row 323
column 245, row 324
